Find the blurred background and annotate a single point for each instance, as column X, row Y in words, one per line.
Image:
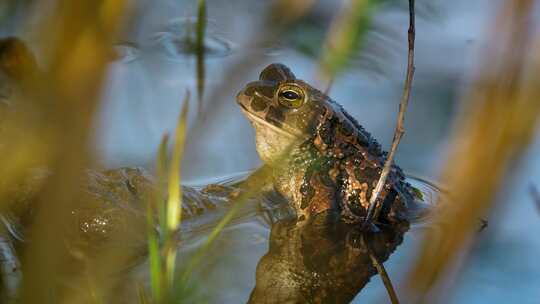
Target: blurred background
column 155, row 63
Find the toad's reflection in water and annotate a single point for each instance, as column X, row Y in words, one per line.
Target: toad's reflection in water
column 320, row 261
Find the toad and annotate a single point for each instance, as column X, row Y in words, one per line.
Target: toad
column 322, row 159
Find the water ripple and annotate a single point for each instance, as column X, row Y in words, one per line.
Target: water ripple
column 178, row 40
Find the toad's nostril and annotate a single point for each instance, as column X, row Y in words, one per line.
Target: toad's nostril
column 249, row 91
column 266, row 90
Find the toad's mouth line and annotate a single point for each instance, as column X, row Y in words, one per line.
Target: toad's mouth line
column 256, row 119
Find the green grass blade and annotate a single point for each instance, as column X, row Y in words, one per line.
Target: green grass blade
column 161, row 168
column 154, row 260
column 154, row 255
column 155, row 267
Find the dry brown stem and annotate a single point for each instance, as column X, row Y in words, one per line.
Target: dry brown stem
column 382, row 272
column 374, row 208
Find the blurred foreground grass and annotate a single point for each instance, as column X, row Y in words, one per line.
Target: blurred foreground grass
column 498, row 122
column 50, row 127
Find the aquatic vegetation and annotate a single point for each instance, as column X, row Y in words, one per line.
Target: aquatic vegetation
column 162, row 243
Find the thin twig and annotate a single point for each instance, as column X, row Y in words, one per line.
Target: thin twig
column 374, row 208
column 382, row 272
column 536, row 196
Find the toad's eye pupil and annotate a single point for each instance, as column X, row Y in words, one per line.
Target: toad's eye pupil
column 290, row 95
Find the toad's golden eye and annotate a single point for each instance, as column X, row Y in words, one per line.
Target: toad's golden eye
column 291, row 97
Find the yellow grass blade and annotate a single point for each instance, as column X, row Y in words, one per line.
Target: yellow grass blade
column 174, row 202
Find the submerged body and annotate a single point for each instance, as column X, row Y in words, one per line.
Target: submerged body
column 323, row 160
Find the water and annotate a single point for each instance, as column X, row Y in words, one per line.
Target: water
column 177, row 41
